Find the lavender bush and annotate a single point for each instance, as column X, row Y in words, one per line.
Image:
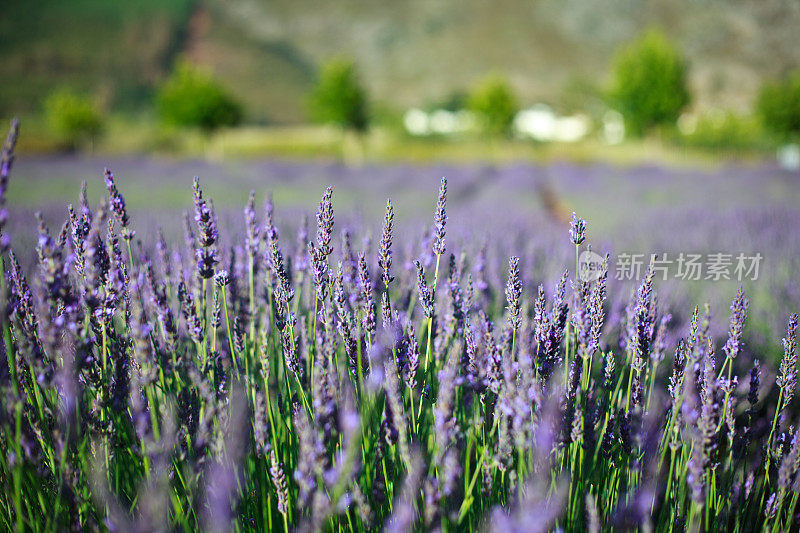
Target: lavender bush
column 258, row 380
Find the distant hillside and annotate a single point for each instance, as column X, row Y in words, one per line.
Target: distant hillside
column 411, row 52
column 114, row 49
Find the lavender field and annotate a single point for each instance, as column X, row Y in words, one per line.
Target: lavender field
column 184, row 354
column 511, row 208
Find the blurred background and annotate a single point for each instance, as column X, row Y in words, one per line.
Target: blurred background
column 414, row 79
column 671, row 125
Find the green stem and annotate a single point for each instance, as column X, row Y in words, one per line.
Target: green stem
column 228, row 328
column 252, row 296
column 467, row 503
column 628, row 394
column 312, row 353
column 430, row 319
column 769, row 440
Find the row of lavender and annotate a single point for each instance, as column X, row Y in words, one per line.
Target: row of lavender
column 746, row 209
column 300, row 384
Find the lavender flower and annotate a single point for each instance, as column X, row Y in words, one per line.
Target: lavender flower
column 205, row 254
column 6, row 162
column 445, row 423
column 412, row 357
column 216, row 311
column 325, row 223
column 189, row 310
column 549, row 352
column 608, row 370
column 595, row 307
column 493, row 359
column 451, row 477
column 188, row 231
column 238, row 335
column 738, row 315
column 290, row 352
column 385, row 247
column 222, row 279
column 577, row 230
column 755, row 381
column 251, row 228
column 789, row 465
column 675, row 386
column 643, row 327
column 405, row 515
column 787, row 374
column 387, row 316
column 117, row 203
column 425, row 294
column 319, row 270
column 514, row 293
column 204, row 216
column 273, row 255
column 80, row 227
column 395, row 405
column 440, row 219
column 540, row 317
column 370, row 321
column 310, row 453
column 302, row 258
column 206, row 261
column 609, row 439
column 279, row 481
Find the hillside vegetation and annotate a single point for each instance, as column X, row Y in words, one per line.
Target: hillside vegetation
column 410, row 53
column 115, row 51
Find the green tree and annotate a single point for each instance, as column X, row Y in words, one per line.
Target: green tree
column 339, row 97
column 73, row 117
column 495, row 104
column 778, row 105
column 649, row 82
column 191, row 97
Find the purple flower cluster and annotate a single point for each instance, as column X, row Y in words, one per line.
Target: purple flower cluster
column 138, row 395
column 6, row 161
